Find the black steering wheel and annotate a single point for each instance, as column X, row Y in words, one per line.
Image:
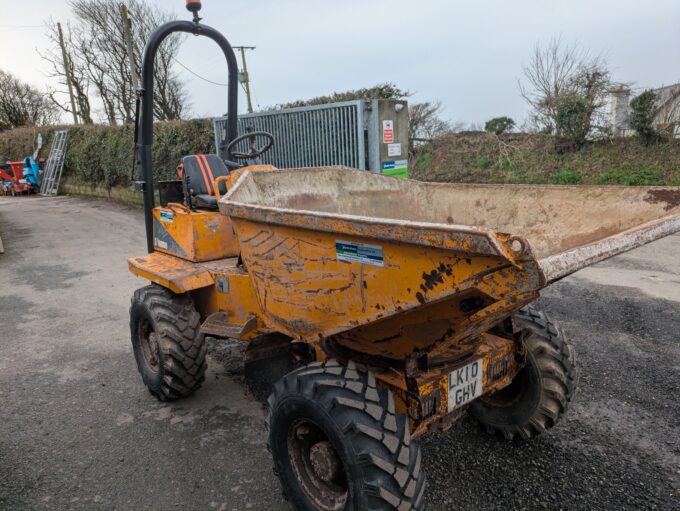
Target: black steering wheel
column 254, row 151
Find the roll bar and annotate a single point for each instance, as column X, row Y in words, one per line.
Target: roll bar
column 144, row 125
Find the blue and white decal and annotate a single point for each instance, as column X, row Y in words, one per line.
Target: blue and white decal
column 163, row 240
column 167, row 216
column 359, row 253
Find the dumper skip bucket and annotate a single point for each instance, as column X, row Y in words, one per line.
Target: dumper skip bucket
column 334, row 249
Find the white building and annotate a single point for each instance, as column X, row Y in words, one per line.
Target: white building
column 668, row 118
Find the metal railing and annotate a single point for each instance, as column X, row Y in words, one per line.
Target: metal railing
column 313, row 136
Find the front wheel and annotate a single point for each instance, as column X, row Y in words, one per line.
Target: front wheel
column 339, row 444
column 543, row 389
column 169, row 349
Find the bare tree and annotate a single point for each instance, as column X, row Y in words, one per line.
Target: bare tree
column 557, row 71
column 170, row 100
column 100, row 61
column 425, row 122
column 23, row 105
column 80, row 79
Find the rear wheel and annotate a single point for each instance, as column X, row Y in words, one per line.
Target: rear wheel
column 541, row 392
column 338, row 443
column 169, row 349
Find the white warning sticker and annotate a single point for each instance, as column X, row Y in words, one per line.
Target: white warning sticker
column 393, row 149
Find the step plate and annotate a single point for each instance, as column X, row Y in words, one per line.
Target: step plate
column 218, row 325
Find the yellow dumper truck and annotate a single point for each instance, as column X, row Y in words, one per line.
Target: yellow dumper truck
column 403, row 304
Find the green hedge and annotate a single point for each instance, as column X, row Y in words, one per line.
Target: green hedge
column 103, row 154
column 542, row 159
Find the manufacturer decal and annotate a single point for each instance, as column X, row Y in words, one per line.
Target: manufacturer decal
column 163, row 240
column 167, row 216
column 359, row 253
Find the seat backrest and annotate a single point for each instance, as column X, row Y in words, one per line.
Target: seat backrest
column 202, row 170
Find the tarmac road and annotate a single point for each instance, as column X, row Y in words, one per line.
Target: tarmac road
column 79, row 431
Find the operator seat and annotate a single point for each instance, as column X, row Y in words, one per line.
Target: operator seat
column 200, row 172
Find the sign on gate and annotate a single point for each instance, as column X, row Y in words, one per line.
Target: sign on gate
column 362, row 134
column 388, row 132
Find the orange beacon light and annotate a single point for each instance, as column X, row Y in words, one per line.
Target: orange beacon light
column 193, row 5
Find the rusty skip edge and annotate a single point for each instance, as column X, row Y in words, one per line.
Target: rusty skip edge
column 479, row 240
column 476, row 240
column 565, row 263
column 471, row 240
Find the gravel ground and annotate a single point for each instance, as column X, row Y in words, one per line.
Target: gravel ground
column 79, row 431
column 617, row 448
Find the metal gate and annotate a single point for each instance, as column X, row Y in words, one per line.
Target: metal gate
column 313, row 136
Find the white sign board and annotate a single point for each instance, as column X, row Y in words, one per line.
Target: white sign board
column 393, row 149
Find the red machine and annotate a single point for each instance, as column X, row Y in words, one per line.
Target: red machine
column 12, row 180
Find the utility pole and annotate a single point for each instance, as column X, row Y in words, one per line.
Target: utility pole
column 67, row 71
column 127, row 33
column 243, row 77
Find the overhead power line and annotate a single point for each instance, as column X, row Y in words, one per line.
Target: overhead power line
column 245, row 83
column 199, row 76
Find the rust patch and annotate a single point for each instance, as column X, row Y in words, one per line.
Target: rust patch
column 670, row 197
column 430, row 280
column 363, row 288
column 581, row 239
column 305, row 328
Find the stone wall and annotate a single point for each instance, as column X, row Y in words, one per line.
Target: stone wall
column 122, row 194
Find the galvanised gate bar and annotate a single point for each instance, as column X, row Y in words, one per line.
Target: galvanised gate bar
column 363, row 134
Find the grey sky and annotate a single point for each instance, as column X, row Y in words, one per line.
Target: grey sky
column 466, row 54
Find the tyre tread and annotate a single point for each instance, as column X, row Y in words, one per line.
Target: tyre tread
column 379, row 436
column 182, row 345
column 556, row 360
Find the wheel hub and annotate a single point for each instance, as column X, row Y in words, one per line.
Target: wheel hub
column 324, row 461
column 150, row 344
column 153, row 347
column 317, row 466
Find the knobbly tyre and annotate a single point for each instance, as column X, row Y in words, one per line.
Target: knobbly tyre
column 399, row 319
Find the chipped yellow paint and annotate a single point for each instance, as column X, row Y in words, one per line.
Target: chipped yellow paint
column 438, row 282
column 171, row 272
column 201, row 235
column 412, row 302
column 233, row 294
column 220, row 285
column 491, row 349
